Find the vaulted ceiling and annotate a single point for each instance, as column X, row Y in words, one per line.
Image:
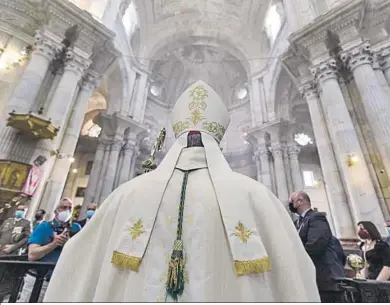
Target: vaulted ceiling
column 238, row 21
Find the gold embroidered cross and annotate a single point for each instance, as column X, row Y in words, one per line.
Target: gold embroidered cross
column 242, row 233
column 136, row 229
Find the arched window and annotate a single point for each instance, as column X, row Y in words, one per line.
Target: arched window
column 273, row 23
column 130, row 19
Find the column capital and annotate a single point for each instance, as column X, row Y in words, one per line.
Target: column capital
column 325, row 70
column 116, row 144
column 100, row 145
column 383, row 58
column 90, row 81
column 129, row 148
column 308, row 90
column 46, row 46
column 277, row 151
column 76, row 63
column 293, row 151
column 360, row 55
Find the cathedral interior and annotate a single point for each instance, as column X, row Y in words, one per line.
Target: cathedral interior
column 86, row 85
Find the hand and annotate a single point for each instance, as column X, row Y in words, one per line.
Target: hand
column 60, row 239
column 7, row 250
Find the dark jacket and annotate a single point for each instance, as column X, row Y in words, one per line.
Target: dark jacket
column 318, row 241
column 15, row 233
column 82, row 222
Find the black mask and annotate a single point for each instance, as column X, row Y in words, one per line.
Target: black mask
column 292, row 209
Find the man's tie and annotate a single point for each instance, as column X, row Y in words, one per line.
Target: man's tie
column 299, row 222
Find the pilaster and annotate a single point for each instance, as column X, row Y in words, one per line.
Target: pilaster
column 281, row 182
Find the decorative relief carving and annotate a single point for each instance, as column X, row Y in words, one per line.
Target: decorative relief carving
column 309, row 90
column 325, row 70
column 76, row 63
column 293, row 151
column 46, row 46
column 277, row 151
column 90, row 80
column 361, row 55
column 383, row 58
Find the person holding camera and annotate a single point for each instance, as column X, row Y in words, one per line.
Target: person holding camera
column 45, row 244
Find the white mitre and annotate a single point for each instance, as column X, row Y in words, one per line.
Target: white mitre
column 200, row 108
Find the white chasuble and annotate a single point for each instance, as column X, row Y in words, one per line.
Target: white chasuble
column 228, row 219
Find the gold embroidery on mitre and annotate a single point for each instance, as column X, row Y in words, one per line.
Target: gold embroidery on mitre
column 180, row 126
column 253, row 266
column 198, row 104
column 126, row 261
column 213, row 127
column 242, row 233
column 136, row 229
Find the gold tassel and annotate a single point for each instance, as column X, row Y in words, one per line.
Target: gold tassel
column 126, row 261
column 253, row 266
column 175, row 276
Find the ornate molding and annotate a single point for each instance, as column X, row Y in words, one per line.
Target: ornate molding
column 90, row 80
column 277, row 151
column 325, row 70
column 383, row 58
column 46, row 45
column 309, row 90
column 293, row 151
column 75, row 63
column 361, row 55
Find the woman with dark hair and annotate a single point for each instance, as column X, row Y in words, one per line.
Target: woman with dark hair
column 376, row 252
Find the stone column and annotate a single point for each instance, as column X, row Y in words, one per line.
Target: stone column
column 95, row 181
column 26, row 91
column 293, row 152
column 345, row 142
column 264, row 155
column 384, row 56
column 257, row 115
column 374, row 98
column 258, row 165
column 109, row 177
column 57, row 180
column 137, row 153
column 23, row 97
column 59, row 106
column 139, row 99
column 336, row 195
column 281, row 183
column 128, row 154
column 287, row 170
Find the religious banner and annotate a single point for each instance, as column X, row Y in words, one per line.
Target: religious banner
column 13, row 176
column 34, row 177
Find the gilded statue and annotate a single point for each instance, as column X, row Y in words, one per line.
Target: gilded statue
column 150, row 163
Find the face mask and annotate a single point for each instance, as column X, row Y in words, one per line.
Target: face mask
column 363, row 234
column 90, row 213
column 292, row 209
column 64, row 216
column 19, row 214
column 388, row 230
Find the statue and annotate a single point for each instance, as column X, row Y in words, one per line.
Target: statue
column 356, row 263
column 150, row 163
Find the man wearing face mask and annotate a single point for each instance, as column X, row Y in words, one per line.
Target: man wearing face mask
column 316, row 235
column 14, row 232
column 91, row 209
column 46, row 243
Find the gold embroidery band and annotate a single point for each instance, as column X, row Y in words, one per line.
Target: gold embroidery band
column 255, row 266
column 126, row 261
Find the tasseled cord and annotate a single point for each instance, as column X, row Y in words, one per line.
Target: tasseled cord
column 175, row 277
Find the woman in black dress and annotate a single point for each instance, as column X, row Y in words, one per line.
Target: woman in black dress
column 376, row 252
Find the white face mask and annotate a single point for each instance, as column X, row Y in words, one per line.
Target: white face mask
column 64, row 216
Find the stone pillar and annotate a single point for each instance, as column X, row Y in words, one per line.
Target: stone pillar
column 258, row 165
column 375, row 100
column 281, row 183
column 345, row 142
column 109, row 177
column 264, row 155
column 26, row 91
column 257, row 116
column 58, row 108
column 293, row 152
column 139, row 99
column 57, row 180
column 384, row 56
column 287, row 169
column 137, row 153
column 23, row 97
column 128, row 154
column 91, row 193
column 337, row 197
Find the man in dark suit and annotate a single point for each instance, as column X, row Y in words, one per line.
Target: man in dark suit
column 316, row 235
column 91, row 208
